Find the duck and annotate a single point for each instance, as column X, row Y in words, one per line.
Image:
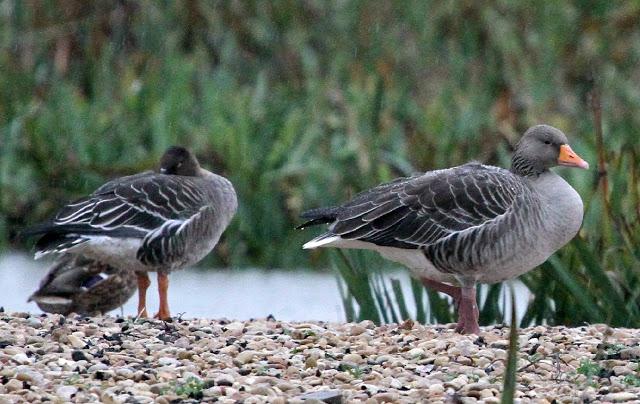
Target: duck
column 77, row 284
column 155, row 221
column 457, row 227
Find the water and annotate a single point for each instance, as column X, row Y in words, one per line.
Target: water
column 240, row 294
column 245, row 294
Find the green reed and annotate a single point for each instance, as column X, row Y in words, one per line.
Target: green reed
column 303, row 104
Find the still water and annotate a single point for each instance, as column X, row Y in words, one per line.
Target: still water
column 240, row 294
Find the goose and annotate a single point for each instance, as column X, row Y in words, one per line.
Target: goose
column 474, row 223
column 76, row 284
column 148, row 222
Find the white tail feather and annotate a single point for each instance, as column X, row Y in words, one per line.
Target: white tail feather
column 322, row 241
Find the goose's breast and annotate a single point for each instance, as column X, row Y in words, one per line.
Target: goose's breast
column 551, row 220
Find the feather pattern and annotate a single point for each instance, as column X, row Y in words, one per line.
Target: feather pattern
column 421, row 210
column 467, row 221
column 85, row 286
column 176, row 220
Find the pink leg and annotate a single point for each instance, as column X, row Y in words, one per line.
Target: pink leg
column 464, row 300
column 468, row 312
column 452, row 291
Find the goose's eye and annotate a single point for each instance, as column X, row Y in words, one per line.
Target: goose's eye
column 547, row 142
column 179, row 165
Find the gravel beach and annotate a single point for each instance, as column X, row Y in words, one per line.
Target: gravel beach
column 115, row 360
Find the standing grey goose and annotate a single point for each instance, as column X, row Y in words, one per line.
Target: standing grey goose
column 146, row 222
column 473, row 223
column 76, row 284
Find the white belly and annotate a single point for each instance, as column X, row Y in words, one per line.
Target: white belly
column 415, row 260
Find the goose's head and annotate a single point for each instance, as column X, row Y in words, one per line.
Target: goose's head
column 543, row 147
column 177, row 160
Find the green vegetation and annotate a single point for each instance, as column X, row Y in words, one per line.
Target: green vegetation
column 302, row 104
column 511, row 369
column 591, row 370
column 190, row 388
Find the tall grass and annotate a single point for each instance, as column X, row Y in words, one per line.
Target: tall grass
column 302, row 104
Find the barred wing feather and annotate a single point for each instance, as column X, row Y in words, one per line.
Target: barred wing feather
column 168, row 243
column 140, row 204
column 418, row 211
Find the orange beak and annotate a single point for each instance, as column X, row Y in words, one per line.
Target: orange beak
column 570, row 159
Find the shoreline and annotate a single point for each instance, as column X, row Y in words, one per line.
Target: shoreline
column 113, row 360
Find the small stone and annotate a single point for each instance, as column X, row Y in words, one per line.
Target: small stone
column 79, row 356
column 225, row 380
column 396, row 384
column 168, row 361
column 352, row 358
column 34, row 322
column 383, row 358
column 185, row 355
column 416, row 353
column 387, row 397
column 436, row 389
column 160, row 388
column 76, row 341
column 261, row 391
column 441, row 360
column 500, row 344
column 326, row 396
column 621, row 397
column 97, row 367
column 311, row 362
column 21, row 358
column 621, row 370
column 356, row 330
column 630, row 353
column 29, row 376
column 13, row 385
column 66, row 392
column 244, row 357
column 125, row 373
column 486, row 393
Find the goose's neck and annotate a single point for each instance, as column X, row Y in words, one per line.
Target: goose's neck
column 525, row 167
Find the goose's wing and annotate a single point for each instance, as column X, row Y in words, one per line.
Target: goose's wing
column 169, row 242
column 422, row 210
column 127, row 207
column 141, row 204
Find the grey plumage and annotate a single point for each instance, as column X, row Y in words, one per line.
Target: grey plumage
column 466, row 224
column 146, row 222
column 176, row 219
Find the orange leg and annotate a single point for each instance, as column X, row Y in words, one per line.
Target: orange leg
column 143, row 284
column 163, row 286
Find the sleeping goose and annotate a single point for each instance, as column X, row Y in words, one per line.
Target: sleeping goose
column 76, row 284
column 473, row 223
column 146, row 222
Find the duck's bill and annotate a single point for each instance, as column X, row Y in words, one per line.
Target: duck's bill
column 569, row 158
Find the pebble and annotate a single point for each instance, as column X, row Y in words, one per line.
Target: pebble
column 622, row 397
column 103, row 359
column 21, row 358
column 76, row 341
column 13, row 385
column 168, row 362
column 66, row 392
column 245, row 357
column 353, row 358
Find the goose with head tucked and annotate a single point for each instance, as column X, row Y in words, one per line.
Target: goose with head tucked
column 153, row 221
column 76, row 284
column 456, row 227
